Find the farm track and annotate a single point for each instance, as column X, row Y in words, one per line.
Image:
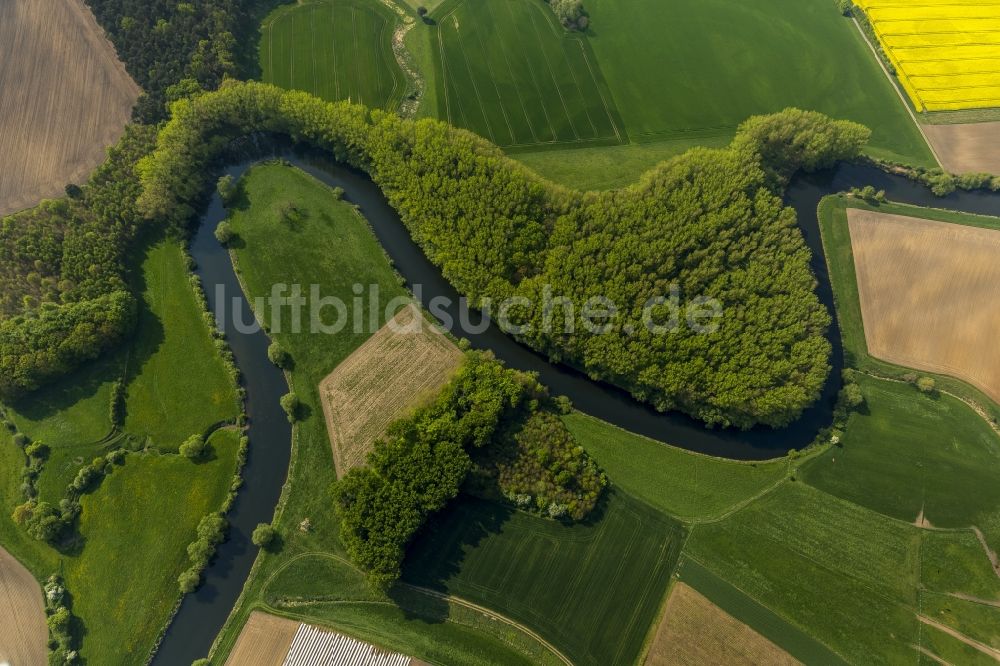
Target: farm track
column 66, row 98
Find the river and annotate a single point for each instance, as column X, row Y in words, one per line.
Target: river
column 202, row 614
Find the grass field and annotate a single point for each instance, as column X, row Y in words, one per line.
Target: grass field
column 832, row 215
column 929, row 294
column 593, row 590
column 404, row 364
column 908, row 453
column 946, row 53
column 23, row 632
column 508, row 71
column 65, row 99
column 685, row 485
column 333, row 246
column 177, row 384
column 334, row 49
column 978, row 621
column 697, row 68
column 841, row 573
column 136, row 528
column 610, row 167
column 953, row 562
column 695, row 631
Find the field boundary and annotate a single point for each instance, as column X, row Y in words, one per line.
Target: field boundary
column 895, row 86
column 742, row 607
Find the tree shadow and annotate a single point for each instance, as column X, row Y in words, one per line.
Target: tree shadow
column 438, row 552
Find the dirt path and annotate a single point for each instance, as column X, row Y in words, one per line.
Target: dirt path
column 985, row 649
column 23, row 633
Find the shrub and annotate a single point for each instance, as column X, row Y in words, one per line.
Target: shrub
column 926, row 384
column 194, row 447
column 292, row 405
column 116, row 409
column 20, row 439
column 852, row 396
column 226, row 187
column 570, row 13
column 224, row 232
column 189, row 580
column 278, row 356
column 36, row 450
column 846, row 7
column 263, row 535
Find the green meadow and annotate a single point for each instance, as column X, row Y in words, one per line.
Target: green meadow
column 697, row 68
column 688, row 486
column 177, row 386
column 334, row 49
column 508, row 71
column 908, row 453
column 591, row 589
column 843, row 574
column 136, row 528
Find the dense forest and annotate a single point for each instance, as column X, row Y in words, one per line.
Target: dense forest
column 163, row 42
column 64, row 298
column 709, row 224
column 424, row 460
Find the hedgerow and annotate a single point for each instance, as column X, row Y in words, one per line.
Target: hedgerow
column 709, row 224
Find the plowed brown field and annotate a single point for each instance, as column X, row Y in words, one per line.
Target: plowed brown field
column 23, row 634
column 930, row 295
column 64, row 97
column 395, row 370
column 694, row 631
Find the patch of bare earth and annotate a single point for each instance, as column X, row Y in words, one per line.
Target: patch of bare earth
column 23, row 632
column 64, row 98
column 930, row 295
column 404, row 364
column 966, row 148
column 695, row 631
column 264, row 641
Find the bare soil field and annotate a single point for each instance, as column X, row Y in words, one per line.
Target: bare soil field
column 405, row 363
column 967, row 148
column 65, row 98
column 695, row 631
column 930, row 295
column 264, row 641
column 23, row 633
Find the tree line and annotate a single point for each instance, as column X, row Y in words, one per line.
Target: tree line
column 709, row 223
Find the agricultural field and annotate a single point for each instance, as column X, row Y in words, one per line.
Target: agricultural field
column 967, row 148
column 695, row 69
column 929, row 294
column 65, row 99
column 591, row 589
column 334, row 49
column 946, row 53
column 843, row 574
column 911, row 455
column 696, row 631
column 23, row 632
column 405, row 363
column 688, row 486
column 508, row 71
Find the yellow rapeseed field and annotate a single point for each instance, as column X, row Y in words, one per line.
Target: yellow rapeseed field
column 946, row 52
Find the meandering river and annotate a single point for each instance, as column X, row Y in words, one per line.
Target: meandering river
column 202, row 614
